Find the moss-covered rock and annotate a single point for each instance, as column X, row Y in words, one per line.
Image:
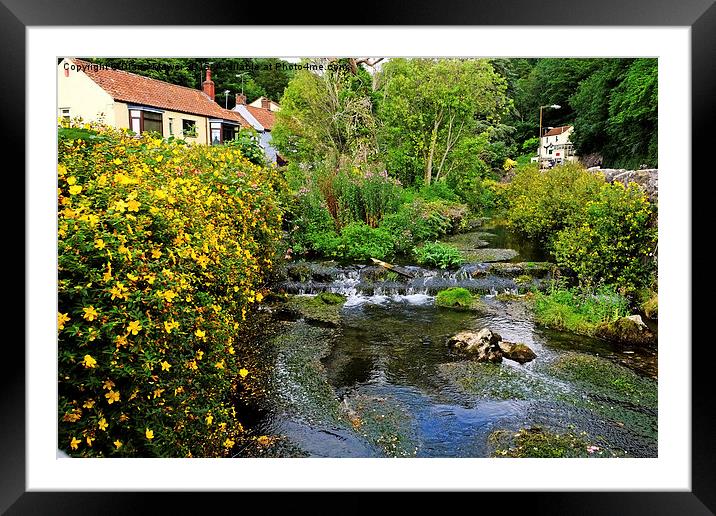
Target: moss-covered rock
column 651, row 306
column 628, row 330
column 460, row 298
column 324, row 308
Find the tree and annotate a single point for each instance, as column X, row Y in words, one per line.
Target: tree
column 633, row 116
column 428, row 109
column 591, row 105
column 325, row 117
column 616, row 112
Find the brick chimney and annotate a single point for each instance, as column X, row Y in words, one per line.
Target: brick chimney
column 240, row 99
column 208, row 85
column 265, row 103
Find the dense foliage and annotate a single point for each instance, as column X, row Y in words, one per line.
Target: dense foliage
column 437, row 115
column 162, row 252
column 601, row 232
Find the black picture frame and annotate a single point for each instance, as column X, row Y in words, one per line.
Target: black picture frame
column 700, row 15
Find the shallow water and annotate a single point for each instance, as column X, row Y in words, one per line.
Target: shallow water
column 384, row 382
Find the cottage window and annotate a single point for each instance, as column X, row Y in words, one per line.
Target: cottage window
column 171, row 127
column 65, row 114
column 228, row 132
column 189, row 128
column 152, row 121
column 141, row 120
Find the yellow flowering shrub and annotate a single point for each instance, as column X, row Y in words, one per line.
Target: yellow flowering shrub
column 162, row 252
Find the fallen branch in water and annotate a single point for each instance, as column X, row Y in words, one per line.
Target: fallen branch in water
column 395, row 268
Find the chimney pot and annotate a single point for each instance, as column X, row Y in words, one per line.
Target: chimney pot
column 265, row 103
column 208, row 85
column 240, row 99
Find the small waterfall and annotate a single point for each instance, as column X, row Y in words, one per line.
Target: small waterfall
column 380, row 285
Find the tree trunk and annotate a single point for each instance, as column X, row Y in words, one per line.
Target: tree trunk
column 433, row 143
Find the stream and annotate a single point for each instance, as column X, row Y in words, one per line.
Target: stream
column 373, row 377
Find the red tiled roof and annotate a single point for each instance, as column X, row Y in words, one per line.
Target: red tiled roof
column 557, row 130
column 266, row 117
column 137, row 89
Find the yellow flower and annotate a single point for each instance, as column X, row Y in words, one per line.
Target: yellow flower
column 158, row 393
column 90, row 313
column 169, row 295
column 120, row 206
column 118, row 444
column 134, row 327
column 209, row 420
column 165, row 365
column 159, row 157
column 156, row 253
column 99, row 244
column 107, row 276
column 264, row 440
column 149, row 433
column 117, row 161
column 199, row 355
column 192, row 365
column 259, row 296
column 89, row 440
column 102, row 424
column 61, row 320
column 74, row 442
column 89, row 362
column 88, row 404
column 170, row 325
column 74, row 190
column 243, row 372
column 112, row 396
column 108, row 384
column 201, row 334
column 219, row 365
column 133, row 205
column 132, row 277
column 229, row 443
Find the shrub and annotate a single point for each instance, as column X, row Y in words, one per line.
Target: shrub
column 438, row 255
column 358, row 241
column 422, row 220
column 614, row 241
column 247, row 142
column 543, row 202
column 162, row 251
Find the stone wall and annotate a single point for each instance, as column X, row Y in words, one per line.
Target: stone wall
column 647, row 179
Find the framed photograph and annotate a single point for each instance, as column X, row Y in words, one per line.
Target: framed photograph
column 393, row 257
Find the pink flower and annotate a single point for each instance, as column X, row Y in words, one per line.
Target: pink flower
column 592, row 449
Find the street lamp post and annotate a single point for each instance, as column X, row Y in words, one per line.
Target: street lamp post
column 226, row 99
column 539, row 148
column 242, row 74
